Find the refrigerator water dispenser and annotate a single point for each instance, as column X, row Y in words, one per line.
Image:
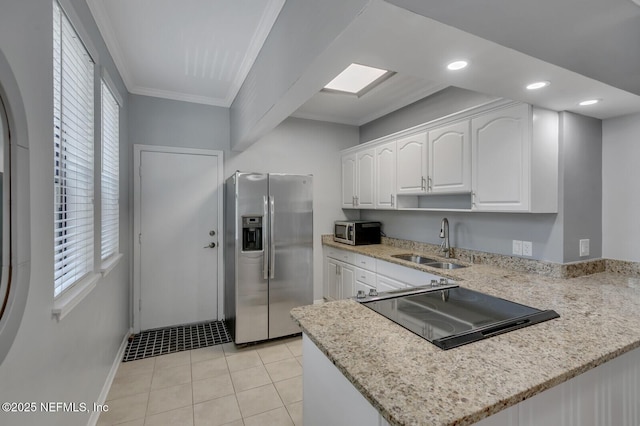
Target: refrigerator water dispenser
column 251, row 233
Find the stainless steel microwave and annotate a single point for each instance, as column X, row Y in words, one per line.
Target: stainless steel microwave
column 356, row 232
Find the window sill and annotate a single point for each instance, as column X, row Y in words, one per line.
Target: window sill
column 109, row 264
column 73, row 296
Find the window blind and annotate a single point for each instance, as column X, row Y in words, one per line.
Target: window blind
column 110, row 173
column 73, row 138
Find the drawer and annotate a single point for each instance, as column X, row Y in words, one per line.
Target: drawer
column 366, row 277
column 342, row 255
column 366, row 262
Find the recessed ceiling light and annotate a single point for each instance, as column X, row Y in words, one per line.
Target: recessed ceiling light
column 538, row 85
column 457, row 65
column 589, row 102
column 357, row 79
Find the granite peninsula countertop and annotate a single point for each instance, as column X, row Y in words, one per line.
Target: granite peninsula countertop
column 410, row 381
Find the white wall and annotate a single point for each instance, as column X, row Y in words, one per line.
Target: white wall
column 165, row 122
column 294, row 146
column 303, row 147
column 65, row 361
column 620, row 188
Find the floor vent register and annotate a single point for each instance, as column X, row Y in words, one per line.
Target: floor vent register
column 162, row 341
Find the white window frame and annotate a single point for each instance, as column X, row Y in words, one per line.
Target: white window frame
column 69, row 292
column 109, row 175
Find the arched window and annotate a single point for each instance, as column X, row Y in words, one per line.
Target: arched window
column 15, row 252
column 5, row 213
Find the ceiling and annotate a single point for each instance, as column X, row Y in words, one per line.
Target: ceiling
column 596, row 38
column 586, row 48
column 189, row 50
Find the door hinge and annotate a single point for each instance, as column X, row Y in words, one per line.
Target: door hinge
column 140, row 238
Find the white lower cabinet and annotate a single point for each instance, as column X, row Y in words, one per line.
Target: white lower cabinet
column 606, row 395
column 399, row 276
column 347, row 281
column 331, row 288
column 347, row 272
column 388, row 284
column 365, row 280
column 339, row 279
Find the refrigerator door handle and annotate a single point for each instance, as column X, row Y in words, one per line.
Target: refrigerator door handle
column 265, row 255
column 272, row 248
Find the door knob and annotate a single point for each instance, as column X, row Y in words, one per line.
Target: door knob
column 212, row 233
column 211, row 245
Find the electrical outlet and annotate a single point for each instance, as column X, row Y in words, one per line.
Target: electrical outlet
column 527, row 248
column 584, row 248
column 517, row 247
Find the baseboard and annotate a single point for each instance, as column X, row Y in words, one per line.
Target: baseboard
column 318, row 301
column 93, row 420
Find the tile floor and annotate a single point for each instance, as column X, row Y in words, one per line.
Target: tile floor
column 219, row 385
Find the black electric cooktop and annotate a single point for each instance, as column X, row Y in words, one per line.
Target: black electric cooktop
column 451, row 316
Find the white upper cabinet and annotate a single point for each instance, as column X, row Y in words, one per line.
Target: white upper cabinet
column 515, row 160
column 501, row 157
column 385, row 178
column 450, row 159
column 501, row 151
column 348, row 181
column 358, row 174
column 412, row 164
column 365, row 178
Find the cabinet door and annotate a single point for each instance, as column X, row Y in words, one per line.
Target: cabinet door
column 501, row 159
column 348, row 180
column 385, row 183
column 333, row 285
column 450, row 159
column 412, row 164
column 365, row 172
column 348, row 281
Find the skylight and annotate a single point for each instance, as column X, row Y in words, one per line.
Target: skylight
column 357, row 79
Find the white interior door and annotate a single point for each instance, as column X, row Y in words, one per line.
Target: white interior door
column 178, row 217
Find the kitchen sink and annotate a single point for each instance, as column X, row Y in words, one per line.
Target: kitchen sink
column 415, row 258
column 427, row 261
column 445, row 265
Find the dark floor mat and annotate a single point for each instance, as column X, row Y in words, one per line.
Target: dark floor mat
column 162, row 341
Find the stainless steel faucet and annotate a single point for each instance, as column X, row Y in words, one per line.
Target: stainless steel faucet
column 444, row 233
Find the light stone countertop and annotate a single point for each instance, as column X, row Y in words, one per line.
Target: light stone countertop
column 411, row 381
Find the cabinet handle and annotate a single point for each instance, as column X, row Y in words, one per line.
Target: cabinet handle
column 473, row 198
column 353, row 201
column 357, row 201
column 429, row 183
column 391, row 200
column 422, row 184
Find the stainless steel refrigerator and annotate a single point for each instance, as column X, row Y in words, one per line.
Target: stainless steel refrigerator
column 268, row 253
